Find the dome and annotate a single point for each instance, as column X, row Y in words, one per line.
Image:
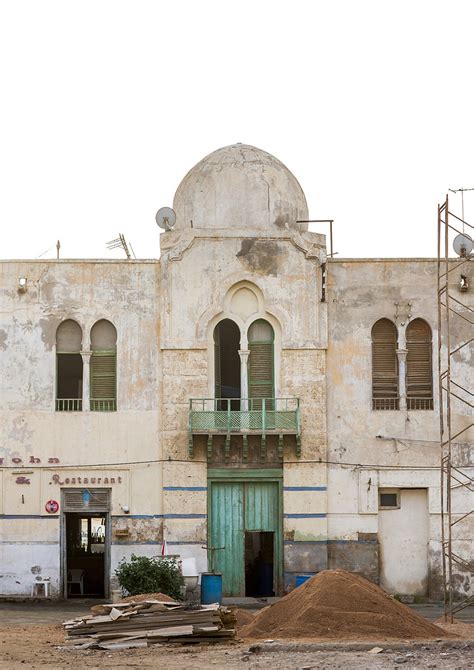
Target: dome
column 240, row 187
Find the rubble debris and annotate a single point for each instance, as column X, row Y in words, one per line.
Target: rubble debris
column 335, row 604
column 134, row 624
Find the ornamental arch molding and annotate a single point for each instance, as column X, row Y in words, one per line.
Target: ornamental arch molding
column 243, row 303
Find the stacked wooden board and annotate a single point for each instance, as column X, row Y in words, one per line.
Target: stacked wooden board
column 141, row 624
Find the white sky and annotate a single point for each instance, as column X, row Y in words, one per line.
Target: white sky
column 105, row 105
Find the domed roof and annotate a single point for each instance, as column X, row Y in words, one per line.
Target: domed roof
column 240, row 187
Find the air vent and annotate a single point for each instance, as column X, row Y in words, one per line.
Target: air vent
column 86, row 500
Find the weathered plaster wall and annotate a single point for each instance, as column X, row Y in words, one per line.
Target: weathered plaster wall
column 383, row 448
column 199, row 269
column 44, row 450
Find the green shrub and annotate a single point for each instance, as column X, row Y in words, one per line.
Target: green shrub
column 150, row 575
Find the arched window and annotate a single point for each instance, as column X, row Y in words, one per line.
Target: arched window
column 384, row 366
column 68, row 367
column 419, row 377
column 103, row 384
column 227, row 362
column 261, row 362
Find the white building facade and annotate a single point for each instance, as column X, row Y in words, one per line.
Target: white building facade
column 257, row 405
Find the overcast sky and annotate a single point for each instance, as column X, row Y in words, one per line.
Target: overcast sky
column 105, row 105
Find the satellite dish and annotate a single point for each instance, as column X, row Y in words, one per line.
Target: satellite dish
column 462, row 244
column 165, row 218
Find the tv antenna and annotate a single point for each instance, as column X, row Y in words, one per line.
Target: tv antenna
column 121, row 243
column 461, row 191
column 165, row 218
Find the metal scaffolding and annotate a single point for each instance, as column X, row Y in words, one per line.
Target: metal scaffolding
column 455, row 335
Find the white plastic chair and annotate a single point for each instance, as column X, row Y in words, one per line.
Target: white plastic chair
column 75, row 576
column 41, row 584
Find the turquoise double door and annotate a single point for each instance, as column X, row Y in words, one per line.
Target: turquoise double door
column 238, row 508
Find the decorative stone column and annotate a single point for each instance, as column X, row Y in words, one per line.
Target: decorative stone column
column 402, row 386
column 244, row 379
column 86, row 360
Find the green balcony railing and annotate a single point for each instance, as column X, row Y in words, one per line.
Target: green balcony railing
column 244, row 415
column 103, row 404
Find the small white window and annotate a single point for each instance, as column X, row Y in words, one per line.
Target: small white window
column 389, row 499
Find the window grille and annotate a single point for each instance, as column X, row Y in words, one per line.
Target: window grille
column 97, row 500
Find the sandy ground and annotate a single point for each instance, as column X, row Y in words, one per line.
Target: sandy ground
column 36, row 646
column 24, row 643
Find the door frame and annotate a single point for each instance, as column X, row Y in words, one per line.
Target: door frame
column 243, row 476
column 63, row 546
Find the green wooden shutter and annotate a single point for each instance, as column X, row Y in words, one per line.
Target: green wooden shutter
column 261, row 363
column 217, row 362
column 103, row 380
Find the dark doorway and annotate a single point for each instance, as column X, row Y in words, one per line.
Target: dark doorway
column 259, row 564
column 85, row 554
column 227, row 363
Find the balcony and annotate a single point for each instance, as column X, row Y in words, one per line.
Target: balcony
column 68, row 404
column 386, row 403
column 419, row 403
column 103, row 405
column 245, row 416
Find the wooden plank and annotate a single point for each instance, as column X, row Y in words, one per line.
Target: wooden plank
column 171, row 632
column 130, row 644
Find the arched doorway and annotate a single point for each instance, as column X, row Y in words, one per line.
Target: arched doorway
column 227, row 363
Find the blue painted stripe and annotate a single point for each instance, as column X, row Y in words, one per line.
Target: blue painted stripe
column 161, row 516
column 115, row 516
column 185, row 516
column 153, row 542
column 184, row 488
column 352, row 541
column 330, row 542
column 305, row 542
column 305, row 516
column 305, row 488
column 125, row 542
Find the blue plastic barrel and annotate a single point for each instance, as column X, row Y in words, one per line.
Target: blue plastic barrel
column 301, row 579
column 211, row 588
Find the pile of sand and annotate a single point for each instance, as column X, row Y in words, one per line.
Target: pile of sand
column 459, row 628
column 242, row 618
column 336, row 604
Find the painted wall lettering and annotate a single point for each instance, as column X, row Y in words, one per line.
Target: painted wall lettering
column 31, row 460
column 56, row 479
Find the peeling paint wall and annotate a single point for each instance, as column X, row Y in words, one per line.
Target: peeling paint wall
column 384, row 448
column 37, row 443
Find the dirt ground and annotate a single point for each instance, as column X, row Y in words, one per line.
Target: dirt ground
column 38, row 646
